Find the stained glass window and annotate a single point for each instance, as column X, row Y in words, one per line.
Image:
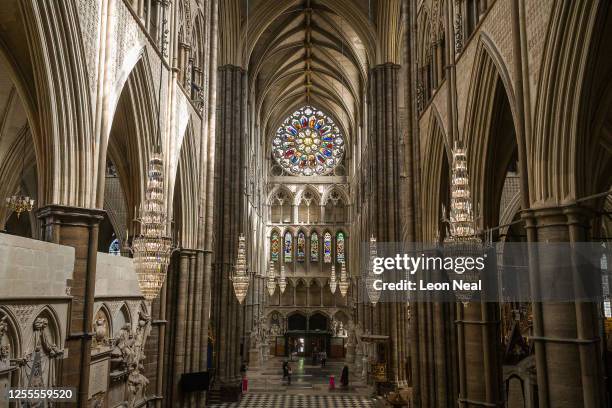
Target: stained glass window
column 340, row 247
column 301, row 247
column 114, row 248
column 314, row 247
column 275, row 246
column 288, row 247
column 308, row 143
column 327, row 248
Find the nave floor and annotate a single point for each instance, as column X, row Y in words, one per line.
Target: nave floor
column 257, row 400
column 309, row 387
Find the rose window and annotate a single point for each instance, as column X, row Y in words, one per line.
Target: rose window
column 308, row 143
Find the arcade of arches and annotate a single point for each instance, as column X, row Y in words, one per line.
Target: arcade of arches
column 307, row 126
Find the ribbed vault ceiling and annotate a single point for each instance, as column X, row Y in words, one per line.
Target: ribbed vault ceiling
column 308, row 54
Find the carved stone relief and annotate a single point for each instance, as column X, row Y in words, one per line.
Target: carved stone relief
column 128, row 356
column 101, row 330
column 89, row 20
column 458, row 27
column 5, row 347
column 23, row 313
column 38, row 364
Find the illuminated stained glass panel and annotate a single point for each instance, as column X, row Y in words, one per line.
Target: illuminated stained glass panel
column 301, row 247
column 308, row 143
column 327, row 248
column 340, row 247
column 314, row 247
column 114, row 248
column 275, row 246
column 288, row 247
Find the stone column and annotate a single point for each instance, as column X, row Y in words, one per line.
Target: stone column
column 385, row 204
column 568, row 359
column 479, row 356
column 185, row 296
column 78, row 228
column 229, row 213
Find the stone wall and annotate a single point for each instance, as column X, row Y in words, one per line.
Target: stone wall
column 31, row 268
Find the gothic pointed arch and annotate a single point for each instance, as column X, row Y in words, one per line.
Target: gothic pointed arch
column 436, row 172
column 71, row 173
column 132, row 135
column 186, row 192
column 574, row 42
column 490, row 130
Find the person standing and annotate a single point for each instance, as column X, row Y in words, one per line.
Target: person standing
column 285, row 370
column 289, row 372
column 323, row 358
column 344, row 378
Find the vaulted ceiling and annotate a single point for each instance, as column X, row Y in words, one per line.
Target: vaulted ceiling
column 309, row 54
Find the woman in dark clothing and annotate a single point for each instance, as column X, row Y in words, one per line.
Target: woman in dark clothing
column 285, row 369
column 289, row 372
column 344, row 378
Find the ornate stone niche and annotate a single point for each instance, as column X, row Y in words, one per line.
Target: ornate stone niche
column 8, row 350
column 38, row 364
column 102, row 330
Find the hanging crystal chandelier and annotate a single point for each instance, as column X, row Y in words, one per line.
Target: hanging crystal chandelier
column 271, row 284
column 462, row 227
column 373, row 294
column 344, row 282
column 20, row 203
column 152, row 248
column 282, row 280
column 461, row 239
column 241, row 278
column 332, row 279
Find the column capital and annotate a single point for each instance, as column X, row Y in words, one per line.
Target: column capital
column 230, row 67
column 386, row 65
column 551, row 216
column 67, row 215
column 192, row 251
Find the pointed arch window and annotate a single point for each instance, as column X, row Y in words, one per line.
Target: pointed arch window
column 115, row 248
column 275, row 246
column 301, row 247
column 340, row 247
column 327, row 248
column 314, row 247
column 288, row 247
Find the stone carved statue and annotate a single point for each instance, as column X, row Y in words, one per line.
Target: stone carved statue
column 128, row 355
column 277, row 327
column 341, row 330
column 361, row 355
column 259, row 338
column 337, row 328
column 260, row 333
column 5, row 350
column 136, row 380
column 122, row 348
column 100, row 329
column 38, row 363
column 275, row 330
column 356, row 334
